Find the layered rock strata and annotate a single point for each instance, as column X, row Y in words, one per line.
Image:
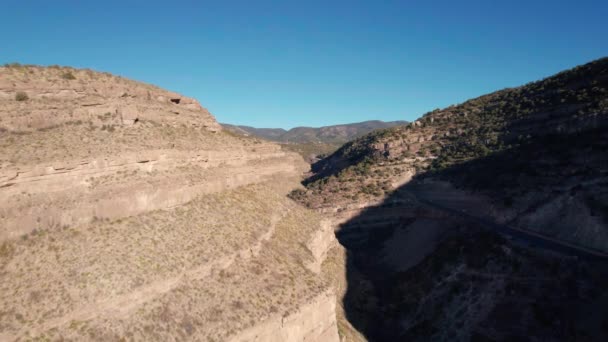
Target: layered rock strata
column 127, row 214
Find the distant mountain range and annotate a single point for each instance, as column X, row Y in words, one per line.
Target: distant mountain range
column 337, row 134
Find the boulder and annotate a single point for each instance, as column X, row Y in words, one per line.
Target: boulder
column 129, row 114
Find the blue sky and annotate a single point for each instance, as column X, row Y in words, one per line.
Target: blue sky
column 313, row 63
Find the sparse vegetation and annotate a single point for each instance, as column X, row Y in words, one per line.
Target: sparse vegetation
column 475, row 129
column 68, row 75
column 14, row 65
column 110, row 258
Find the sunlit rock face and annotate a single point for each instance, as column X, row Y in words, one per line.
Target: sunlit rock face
column 127, row 213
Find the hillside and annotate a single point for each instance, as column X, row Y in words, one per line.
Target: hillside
column 518, row 141
column 336, row 134
column 129, row 214
column 481, row 221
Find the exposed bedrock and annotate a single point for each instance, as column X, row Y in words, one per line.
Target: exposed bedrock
column 48, row 197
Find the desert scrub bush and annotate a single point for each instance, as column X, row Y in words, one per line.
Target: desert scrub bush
column 297, row 194
column 109, row 128
column 68, row 76
column 6, row 250
column 21, row 96
column 13, row 65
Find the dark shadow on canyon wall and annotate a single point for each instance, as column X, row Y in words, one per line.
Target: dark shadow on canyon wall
column 458, row 277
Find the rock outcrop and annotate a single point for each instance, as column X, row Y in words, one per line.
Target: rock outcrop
column 57, row 95
column 128, row 214
column 314, row 321
column 54, row 195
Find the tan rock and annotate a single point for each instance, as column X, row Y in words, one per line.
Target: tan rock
column 129, row 114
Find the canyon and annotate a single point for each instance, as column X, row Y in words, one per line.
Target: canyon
column 129, row 213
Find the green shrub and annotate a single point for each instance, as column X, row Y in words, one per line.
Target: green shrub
column 21, row 96
column 68, row 76
column 12, row 65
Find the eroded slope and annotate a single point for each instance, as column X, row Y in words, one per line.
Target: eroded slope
column 209, row 269
column 128, row 214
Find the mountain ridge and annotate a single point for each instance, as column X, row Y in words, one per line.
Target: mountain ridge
column 332, row 134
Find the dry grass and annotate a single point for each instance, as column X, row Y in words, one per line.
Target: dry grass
column 54, row 273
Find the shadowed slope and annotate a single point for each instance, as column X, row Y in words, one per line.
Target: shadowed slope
column 426, row 272
column 482, row 221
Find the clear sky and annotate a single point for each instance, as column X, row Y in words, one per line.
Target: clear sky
column 307, row 62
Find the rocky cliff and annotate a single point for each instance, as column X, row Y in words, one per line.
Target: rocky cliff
column 128, row 214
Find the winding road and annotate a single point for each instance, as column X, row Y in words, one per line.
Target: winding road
column 525, row 237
